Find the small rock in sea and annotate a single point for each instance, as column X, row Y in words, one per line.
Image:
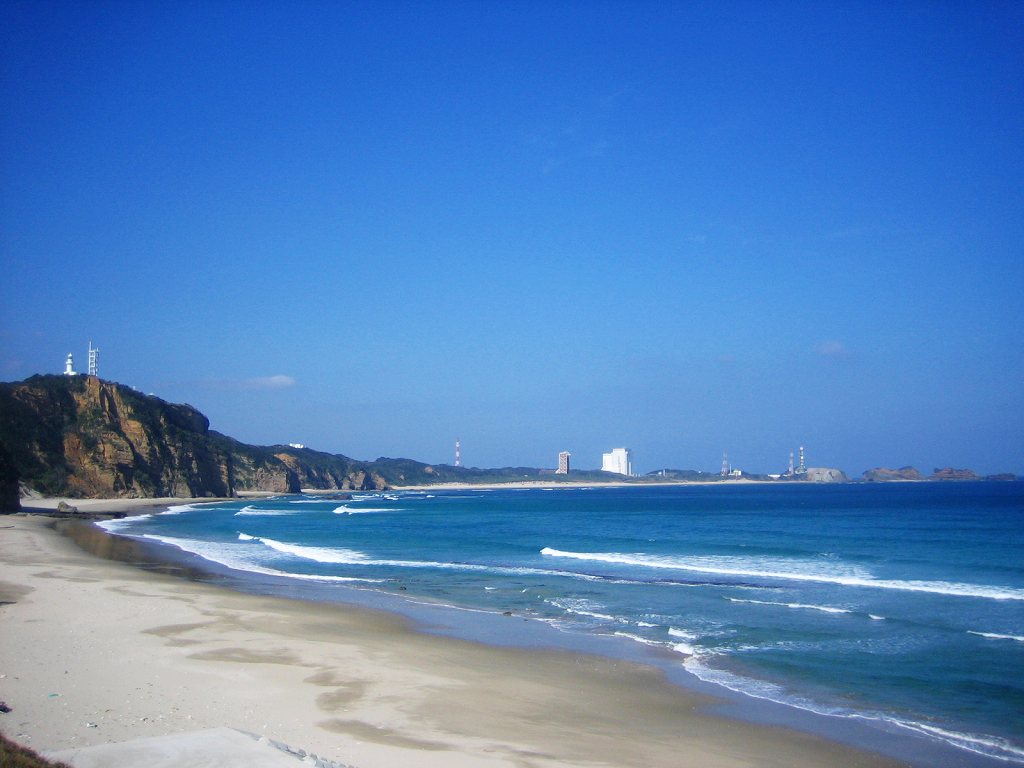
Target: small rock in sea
column 507, row 613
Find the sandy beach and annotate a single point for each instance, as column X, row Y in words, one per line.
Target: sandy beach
column 95, row 651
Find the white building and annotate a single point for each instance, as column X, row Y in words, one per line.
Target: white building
column 619, row 461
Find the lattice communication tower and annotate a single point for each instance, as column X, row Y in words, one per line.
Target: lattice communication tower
column 94, row 360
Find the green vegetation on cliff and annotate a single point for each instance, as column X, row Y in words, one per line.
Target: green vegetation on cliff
column 82, row 436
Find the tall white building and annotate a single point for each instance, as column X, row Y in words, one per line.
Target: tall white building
column 619, row 461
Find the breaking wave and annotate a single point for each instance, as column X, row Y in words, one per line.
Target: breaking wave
column 792, row 571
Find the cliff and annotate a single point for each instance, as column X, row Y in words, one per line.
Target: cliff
column 883, row 475
column 82, row 436
column 824, row 475
column 948, row 473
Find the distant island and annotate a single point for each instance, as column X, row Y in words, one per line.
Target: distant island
column 84, row 437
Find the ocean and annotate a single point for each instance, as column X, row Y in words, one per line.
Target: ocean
column 897, row 606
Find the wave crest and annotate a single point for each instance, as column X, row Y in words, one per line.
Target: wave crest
column 792, row 571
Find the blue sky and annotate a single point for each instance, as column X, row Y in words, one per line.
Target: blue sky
column 680, row 227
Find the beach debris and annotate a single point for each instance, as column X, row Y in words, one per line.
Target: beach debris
column 52, row 695
column 4, row 708
column 91, row 725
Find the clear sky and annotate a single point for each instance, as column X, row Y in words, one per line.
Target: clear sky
column 376, row 227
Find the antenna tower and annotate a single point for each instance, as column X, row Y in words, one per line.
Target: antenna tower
column 725, row 464
column 94, row 363
column 458, row 453
column 802, row 468
column 790, row 463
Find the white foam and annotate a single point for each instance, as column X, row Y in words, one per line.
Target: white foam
column 344, row 509
column 177, row 509
column 996, row 636
column 792, row 570
column 235, row 557
column 686, row 648
column 681, row 633
column 990, row 746
column 252, row 511
column 113, row 526
column 582, row 607
column 822, row 608
column 317, row 554
column 342, row 556
column 637, row 638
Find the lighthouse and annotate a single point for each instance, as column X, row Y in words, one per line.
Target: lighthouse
column 69, row 366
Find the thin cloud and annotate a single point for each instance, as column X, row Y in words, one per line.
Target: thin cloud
column 277, row 381
column 832, row 349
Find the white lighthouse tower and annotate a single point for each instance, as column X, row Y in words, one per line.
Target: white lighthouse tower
column 69, row 366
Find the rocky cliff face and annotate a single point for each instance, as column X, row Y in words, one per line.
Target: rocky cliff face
column 948, row 473
column 883, row 475
column 825, row 475
column 82, row 436
column 313, row 469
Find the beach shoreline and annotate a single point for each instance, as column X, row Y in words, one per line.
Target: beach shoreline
column 96, row 651
column 527, row 484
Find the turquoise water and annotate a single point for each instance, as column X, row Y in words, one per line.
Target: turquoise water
column 900, row 604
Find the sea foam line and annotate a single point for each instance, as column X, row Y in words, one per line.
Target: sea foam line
column 317, row 554
column 344, row 509
column 695, row 564
column 996, row 636
column 226, row 555
column 179, row 508
column 583, row 608
column 823, row 608
column 342, row 556
column 989, row 746
column 114, row 525
column 254, row 511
